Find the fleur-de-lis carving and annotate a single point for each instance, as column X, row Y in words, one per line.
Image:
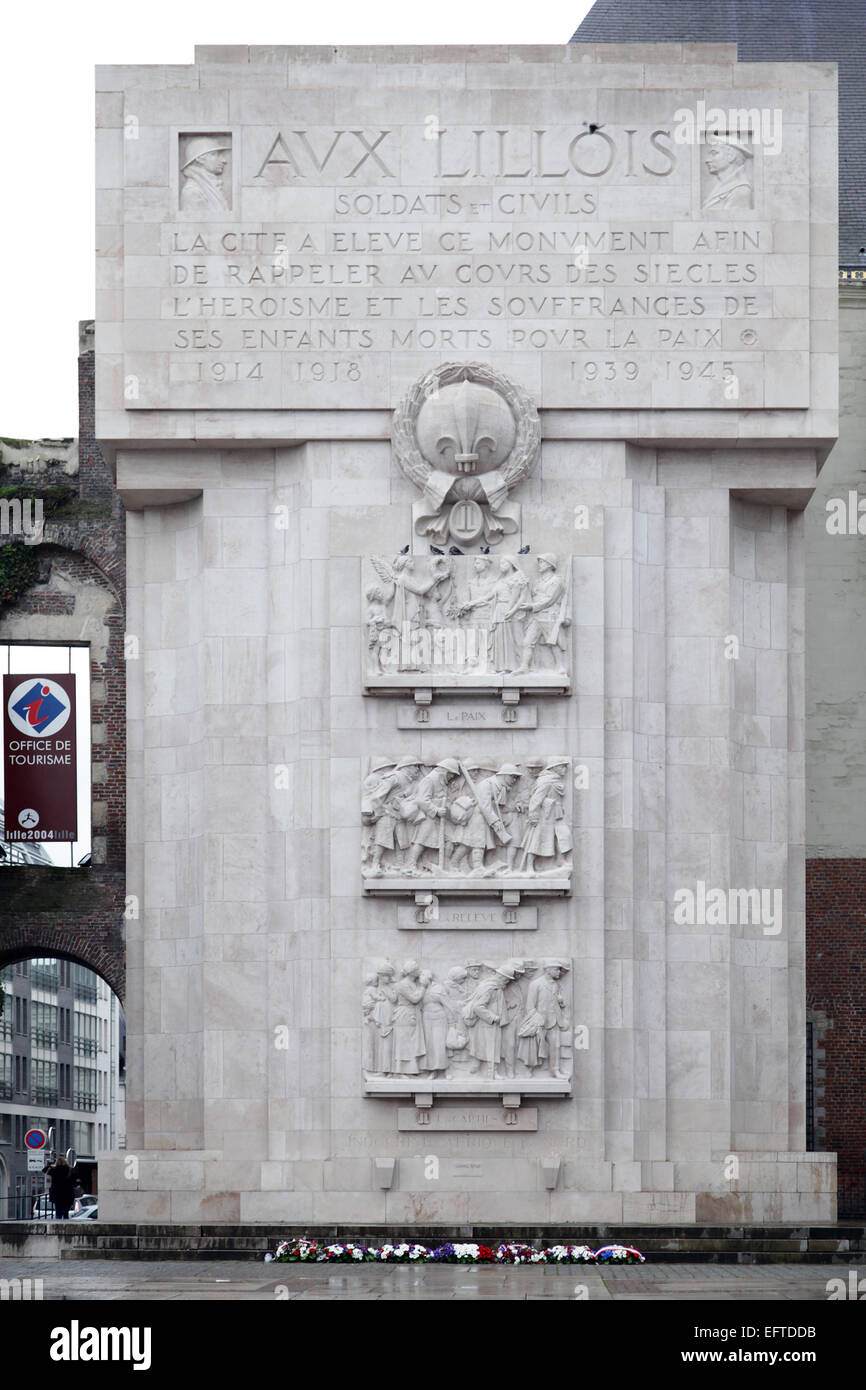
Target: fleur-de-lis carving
column 466, row 439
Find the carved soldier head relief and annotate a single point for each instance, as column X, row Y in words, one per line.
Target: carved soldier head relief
column 205, row 179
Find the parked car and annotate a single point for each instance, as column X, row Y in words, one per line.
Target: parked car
column 85, row 1213
column 85, row 1201
column 43, row 1208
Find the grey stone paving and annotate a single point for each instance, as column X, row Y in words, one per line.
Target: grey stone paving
column 235, row 1280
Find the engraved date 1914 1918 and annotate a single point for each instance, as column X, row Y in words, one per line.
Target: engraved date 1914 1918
column 338, row 370
column 226, row 371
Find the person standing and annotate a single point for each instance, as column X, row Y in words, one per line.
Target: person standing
column 545, row 1022
column 548, row 833
column 61, row 1187
column 546, row 617
column 435, row 1016
column 486, row 1015
column 432, row 799
column 409, row 1044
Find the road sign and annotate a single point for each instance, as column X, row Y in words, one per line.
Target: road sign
column 35, row 1162
column 35, row 1139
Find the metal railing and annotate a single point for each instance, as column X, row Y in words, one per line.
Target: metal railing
column 44, row 1095
column 20, row 1208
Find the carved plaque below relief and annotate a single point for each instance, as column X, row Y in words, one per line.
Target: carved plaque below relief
column 468, row 916
column 466, row 1118
column 466, row 714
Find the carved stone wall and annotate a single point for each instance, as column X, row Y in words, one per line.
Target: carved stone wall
column 611, row 356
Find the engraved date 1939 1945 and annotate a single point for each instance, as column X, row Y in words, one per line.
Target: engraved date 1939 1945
column 664, row 369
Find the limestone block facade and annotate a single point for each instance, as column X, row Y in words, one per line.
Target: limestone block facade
column 684, row 372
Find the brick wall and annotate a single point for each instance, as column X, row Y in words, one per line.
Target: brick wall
column 94, row 474
column 80, row 914
column 836, row 999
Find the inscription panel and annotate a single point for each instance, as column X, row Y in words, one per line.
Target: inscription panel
column 463, row 714
column 450, row 916
column 307, row 263
column 466, row 1118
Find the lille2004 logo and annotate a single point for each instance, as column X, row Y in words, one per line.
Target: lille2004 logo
column 39, row 708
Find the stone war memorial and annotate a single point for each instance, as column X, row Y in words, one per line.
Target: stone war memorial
column 465, row 403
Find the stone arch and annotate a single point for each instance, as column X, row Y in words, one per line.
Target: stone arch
column 46, row 940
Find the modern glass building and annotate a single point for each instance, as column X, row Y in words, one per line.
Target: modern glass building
column 62, row 1067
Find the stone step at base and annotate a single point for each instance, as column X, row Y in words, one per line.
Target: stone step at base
column 843, row 1244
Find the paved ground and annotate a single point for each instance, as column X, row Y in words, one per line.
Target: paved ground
column 235, row 1280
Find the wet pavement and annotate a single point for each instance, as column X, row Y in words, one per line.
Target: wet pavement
column 236, row 1280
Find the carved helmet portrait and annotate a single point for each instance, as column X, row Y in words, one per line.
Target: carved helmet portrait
column 203, row 162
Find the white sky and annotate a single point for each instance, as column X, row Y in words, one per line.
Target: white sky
column 46, row 120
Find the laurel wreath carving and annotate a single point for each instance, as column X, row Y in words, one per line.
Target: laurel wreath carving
column 523, row 456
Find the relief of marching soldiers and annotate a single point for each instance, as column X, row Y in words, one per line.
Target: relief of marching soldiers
column 477, row 1019
column 466, row 818
column 515, row 610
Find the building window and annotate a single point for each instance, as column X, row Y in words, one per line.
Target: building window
column 82, row 1138
column 43, row 1024
column 45, row 974
column 85, row 1034
column 84, row 1091
column 43, row 1077
column 84, row 984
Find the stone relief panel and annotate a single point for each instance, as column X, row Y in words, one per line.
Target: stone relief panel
column 466, row 436
column 470, row 824
column 205, row 174
column 458, row 622
column 727, row 175
column 475, row 1026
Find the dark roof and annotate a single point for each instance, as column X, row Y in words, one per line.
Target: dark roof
column 768, row 31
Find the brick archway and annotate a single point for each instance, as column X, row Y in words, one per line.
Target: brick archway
column 44, row 939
